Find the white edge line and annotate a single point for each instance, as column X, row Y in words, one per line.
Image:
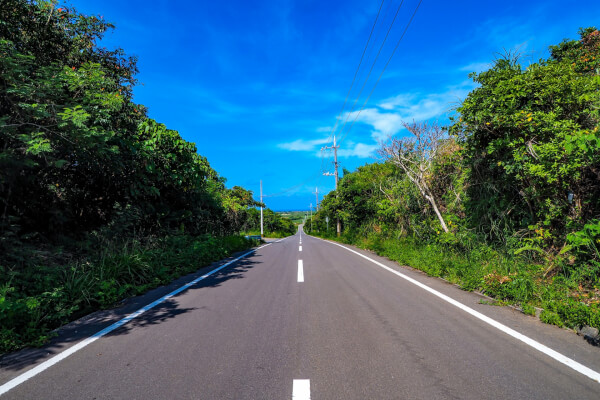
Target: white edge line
column 300, row 271
column 61, row 356
column 301, row 389
column 582, row 369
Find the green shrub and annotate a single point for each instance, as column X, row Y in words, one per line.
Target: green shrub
column 550, row 317
column 528, row 309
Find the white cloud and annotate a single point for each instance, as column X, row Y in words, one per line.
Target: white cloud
column 421, row 108
column 402, row 100
column 360, row 150
column 303, row 145
column 385, row 119
column 385, row 124
column 387, row 116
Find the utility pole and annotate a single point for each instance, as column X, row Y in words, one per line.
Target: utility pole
column 261, row 211
column 335, row 163
column 316, row 192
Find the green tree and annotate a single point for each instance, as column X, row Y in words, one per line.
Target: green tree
column 241, row 213
column 66, row 119
column 583, row 54
column 76, row 153
column 531, row 143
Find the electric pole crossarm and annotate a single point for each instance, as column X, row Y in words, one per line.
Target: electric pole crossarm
column 335, row 161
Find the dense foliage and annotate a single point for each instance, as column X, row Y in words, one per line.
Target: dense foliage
column 274, row 225
column 530, row 139
column 517, row 182
column 83, row 168
column 76, row 152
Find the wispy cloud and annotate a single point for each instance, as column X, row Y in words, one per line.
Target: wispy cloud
column 384, row 124
column 415, row 106
column 386, row 118
column 350, row 149
column 303, row 145
column 360, row 150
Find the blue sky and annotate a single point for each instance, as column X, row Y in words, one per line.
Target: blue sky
column 258, row 85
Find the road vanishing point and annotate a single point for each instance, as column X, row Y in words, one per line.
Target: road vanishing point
column 304, row 318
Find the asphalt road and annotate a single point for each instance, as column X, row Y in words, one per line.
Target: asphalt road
column 342, row 328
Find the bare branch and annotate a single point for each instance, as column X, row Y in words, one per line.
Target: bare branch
column 415, row 155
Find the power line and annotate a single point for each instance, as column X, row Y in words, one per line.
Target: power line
column 384, row 68
column 335, row 147
column 372, row 66
column 332, row 132
column 356, row 72
column 377, row 34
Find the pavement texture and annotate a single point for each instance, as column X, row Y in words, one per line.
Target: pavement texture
column 355, row 330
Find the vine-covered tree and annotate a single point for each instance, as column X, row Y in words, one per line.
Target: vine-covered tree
column 531, row 142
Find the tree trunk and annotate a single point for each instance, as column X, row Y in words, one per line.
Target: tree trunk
column 425, row 192
column 437, row 212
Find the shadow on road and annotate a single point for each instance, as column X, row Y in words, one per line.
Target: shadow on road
column 170, row 309
column 235, row 271
column 95, row 322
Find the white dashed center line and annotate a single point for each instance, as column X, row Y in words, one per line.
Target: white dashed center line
column 300, row 271
column 301, row 389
